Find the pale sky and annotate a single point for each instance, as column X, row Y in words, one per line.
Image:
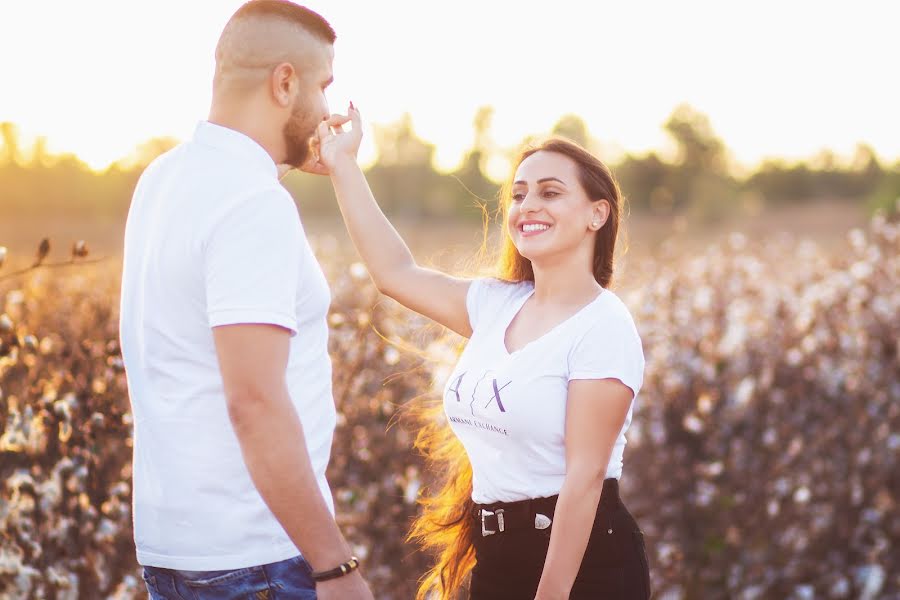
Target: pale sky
column 777, row 78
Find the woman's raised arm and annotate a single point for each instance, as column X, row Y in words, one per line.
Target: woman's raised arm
column 429, row 292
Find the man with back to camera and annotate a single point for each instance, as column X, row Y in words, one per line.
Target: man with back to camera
column 224, row 335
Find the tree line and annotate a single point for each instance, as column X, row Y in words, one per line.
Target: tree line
column 698, row 180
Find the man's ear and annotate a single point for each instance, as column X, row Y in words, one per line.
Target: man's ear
column 284, row 82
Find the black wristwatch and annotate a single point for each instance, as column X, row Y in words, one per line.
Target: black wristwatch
column 339, row 571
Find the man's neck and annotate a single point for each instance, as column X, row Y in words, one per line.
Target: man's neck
column 238, row 120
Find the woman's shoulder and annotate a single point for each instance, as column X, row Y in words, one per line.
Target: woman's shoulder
column 614, row 304
column 504, row 284
column 493, row 288
column 608, row 344
column 488, row 295
column 611, row 316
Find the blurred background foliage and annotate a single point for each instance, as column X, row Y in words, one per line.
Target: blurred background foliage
column 696, row 178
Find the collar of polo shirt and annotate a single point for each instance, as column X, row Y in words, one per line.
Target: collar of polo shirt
column 235, row 142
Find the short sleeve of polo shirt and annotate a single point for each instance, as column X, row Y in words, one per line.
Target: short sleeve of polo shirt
column 252, row 262
column 609, row 349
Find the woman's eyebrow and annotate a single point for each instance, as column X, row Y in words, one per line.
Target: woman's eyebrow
column 542, row 180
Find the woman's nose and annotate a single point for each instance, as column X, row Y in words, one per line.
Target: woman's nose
column 529, row 203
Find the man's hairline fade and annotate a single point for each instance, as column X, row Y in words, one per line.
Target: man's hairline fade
column 237, row 69
column 290, row 12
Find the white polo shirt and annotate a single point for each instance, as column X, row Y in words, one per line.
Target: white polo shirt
column 213, row 239
column 509, row 408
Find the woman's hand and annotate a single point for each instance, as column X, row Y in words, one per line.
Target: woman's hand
column 332, row 144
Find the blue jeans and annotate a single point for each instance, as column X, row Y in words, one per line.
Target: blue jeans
column 289, row 579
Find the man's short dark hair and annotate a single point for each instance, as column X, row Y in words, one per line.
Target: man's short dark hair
column 308, row 19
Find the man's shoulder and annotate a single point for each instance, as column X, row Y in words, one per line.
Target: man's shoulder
column 254, row 202
column 156, row 167
column 202, row 170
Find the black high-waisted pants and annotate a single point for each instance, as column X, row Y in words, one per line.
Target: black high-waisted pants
column 510, row 563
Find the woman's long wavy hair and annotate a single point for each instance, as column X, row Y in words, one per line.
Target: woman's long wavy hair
column 445, row 525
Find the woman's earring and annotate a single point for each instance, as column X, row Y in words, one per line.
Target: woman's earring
column 595, row 224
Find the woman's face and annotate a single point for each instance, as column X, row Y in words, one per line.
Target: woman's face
column 550, row 214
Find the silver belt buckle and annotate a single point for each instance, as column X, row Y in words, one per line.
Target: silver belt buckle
column 500, row 525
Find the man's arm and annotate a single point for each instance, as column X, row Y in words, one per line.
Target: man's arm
column 253, row 359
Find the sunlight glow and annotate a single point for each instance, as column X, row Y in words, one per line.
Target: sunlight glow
column 99, row 77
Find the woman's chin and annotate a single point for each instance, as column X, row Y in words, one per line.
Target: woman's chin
column 530, row 252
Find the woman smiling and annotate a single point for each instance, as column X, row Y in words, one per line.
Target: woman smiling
column 543, row 393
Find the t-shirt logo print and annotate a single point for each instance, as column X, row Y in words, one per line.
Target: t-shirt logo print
column 457, row 383
column 487, row 387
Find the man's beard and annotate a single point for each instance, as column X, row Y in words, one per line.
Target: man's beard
column 297, row 134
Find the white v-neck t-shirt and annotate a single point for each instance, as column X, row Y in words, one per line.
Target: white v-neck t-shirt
column 509, row 408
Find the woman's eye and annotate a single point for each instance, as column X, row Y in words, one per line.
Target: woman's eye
column 518, row 197
column 550, row 194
